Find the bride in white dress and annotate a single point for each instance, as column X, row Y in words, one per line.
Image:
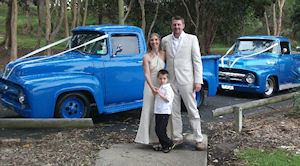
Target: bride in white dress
column 153, row 61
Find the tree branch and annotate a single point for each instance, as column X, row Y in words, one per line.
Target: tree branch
column 188, row 12
column 129, row 9
column 153, row 22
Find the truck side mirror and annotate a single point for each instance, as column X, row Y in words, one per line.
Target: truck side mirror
column 284, row 50
column 298, row 48
column 118, row 49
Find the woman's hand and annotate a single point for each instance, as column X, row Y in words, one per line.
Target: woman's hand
column 154, row 91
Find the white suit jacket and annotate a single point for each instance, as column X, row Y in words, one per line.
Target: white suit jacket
column 186, row 64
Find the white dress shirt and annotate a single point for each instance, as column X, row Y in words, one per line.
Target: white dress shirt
column 160, row 106
column 176, row 42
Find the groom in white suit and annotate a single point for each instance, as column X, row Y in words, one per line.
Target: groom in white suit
column 185, row 75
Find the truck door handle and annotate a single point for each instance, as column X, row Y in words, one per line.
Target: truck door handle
column 139, row 62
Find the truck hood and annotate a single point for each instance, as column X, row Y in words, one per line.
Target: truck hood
column 70, row 62
column 260, row 61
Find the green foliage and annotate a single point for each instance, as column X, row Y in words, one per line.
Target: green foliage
column 277, row 157
column 294, row 44
column 232, row 15
column 219, row 48
column 295, row 18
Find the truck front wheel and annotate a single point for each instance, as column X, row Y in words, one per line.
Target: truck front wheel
column 72, row 105
column 270, row 87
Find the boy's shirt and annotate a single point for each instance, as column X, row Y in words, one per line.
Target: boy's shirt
column 160, row 106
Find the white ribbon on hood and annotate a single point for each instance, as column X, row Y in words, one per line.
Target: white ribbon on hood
column 46, row 47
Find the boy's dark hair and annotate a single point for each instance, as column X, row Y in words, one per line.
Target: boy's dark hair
column 163, row 72
column 178, row 18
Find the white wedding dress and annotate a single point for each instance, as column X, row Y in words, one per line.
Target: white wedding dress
column 146, row 132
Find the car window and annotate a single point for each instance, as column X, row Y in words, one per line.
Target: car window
column 99, row 47
column 254, row 45
column 285, row 45
column 128, row 43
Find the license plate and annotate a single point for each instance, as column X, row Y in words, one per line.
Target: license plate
column 227, row 87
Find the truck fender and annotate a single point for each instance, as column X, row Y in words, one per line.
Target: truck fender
column 91, row 86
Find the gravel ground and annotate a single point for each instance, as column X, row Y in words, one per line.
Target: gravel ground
column 66, row 146
column 81, row 146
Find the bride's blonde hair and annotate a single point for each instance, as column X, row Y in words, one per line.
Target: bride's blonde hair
column 148, row 43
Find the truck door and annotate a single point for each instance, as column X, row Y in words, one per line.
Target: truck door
column 124, row 76
column 285, row 64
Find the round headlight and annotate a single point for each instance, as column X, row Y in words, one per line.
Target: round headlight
column 21, row 97
column 250, row 78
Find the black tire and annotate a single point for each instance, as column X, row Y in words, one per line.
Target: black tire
column 271, row 87
column 72, row 105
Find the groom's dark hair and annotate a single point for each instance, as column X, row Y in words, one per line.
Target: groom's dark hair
column 163, row 72
column 178, row 18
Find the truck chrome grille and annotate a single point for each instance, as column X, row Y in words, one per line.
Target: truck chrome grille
column 232, row 75
column 10, row 92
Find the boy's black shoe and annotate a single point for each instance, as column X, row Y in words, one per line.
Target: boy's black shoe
column 167, row 150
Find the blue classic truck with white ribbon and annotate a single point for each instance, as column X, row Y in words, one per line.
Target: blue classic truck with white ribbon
column 101, row 68
column 260, row 64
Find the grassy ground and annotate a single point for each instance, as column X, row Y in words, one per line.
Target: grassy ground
column 280, row 157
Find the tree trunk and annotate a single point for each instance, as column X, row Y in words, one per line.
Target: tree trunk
column 128, row 10
column 121, row 12
column 41, row 16
column 100, row 13
column 74, row 13
column 66, row 22
column 267, row 22
column 28, row 24
column 59, row 23
column 78, row 13
column 153, row 22
column 274, row 19
column 197, row 8
column 142, row 4
column 85, row 12
column 209, row 24
column 7, row 39
column 13, row 25
column 208, row 34
column 48, row 24
column 280, row 5
column 67, row 33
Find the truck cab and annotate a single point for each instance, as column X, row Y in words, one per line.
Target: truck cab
column 260, row 64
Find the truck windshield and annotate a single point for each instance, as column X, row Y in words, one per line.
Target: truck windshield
column 98, row 47
column 254, row 45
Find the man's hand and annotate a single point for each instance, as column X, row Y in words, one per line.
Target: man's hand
column 197, row 87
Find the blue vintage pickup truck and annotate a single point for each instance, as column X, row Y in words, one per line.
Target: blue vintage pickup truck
column 260, row 64
column 101, row 68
